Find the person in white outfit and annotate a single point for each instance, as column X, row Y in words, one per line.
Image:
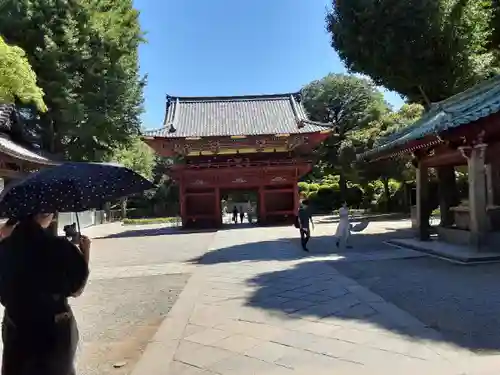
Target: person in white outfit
column 343, row 232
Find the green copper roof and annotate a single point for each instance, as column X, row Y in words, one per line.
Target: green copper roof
column 481, row 100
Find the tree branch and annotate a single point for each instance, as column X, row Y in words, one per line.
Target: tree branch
column 428, row 103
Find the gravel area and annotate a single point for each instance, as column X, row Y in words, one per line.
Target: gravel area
column 462, row 302
column 152, row 246
column 118, row 317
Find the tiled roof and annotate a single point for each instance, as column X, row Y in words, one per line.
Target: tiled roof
column 479, row 101
column 11, row 148
column 235, row 115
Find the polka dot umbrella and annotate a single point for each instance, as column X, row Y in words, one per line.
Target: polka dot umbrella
column 70, row 187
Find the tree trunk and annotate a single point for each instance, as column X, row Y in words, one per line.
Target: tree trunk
column 107, row 212
column 123, row 206
column 448, row 194
column 343, row 187
column 387, row 194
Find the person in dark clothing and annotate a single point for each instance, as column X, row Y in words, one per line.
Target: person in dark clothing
column 304, row 217
column 38, row 272
column 7, row 228
column 242, row 214
column 235, row 215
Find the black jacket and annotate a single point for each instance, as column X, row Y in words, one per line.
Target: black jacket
column 38, row 271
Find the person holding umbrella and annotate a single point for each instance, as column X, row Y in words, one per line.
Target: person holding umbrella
column 7, row 228
column 40, row 271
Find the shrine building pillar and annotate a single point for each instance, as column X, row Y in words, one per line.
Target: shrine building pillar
column 448, row 195
column 182, row 200
column 490, row 185
column 423, row 226
column 478, row 216
column 218, row 211
column 296, row 198
column 262, row 205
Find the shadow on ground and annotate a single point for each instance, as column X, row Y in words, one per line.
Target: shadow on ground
column 371, row 218
column 286, row 249
column 461, row 303
column 150, row 232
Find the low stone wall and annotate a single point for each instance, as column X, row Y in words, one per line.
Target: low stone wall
column 454, row 236
column 463, row 237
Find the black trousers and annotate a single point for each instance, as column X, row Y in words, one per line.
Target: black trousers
column 47, row 350
column 305, row 235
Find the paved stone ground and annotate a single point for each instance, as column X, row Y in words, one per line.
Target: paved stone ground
column 137, row 273
column 118, row 316
column 462, row 302
column 136, row 276
column 259, row 305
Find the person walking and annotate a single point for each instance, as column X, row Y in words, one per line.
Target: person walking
column 304, row 218
column 343, row 232
column 235, row 215
column 242, row 214
column 38, row 273
column 250, row 214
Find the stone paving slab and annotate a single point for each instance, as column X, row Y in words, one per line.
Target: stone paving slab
column 456, row 253
column 288, row 313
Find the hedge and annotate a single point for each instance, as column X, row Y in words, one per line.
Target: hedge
column 153, row 220
column 325, row 195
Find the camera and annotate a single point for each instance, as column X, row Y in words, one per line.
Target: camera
column 71, row 233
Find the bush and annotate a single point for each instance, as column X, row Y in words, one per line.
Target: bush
column 355, row 196
column 394, row 186
column 146, row 221
column 303, row 187
column 139, row 213
column 331, row 180
column 313, row 187
column 326, row 197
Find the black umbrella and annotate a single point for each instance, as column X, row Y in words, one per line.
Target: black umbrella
column 70, row 187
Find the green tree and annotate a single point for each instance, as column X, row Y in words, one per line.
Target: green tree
column 426, row 50
column 348, row 103
column 85, row 56
column 137, row 156
column 17, row 78
column 398, row 168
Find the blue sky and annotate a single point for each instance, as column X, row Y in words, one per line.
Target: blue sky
column 232, row 47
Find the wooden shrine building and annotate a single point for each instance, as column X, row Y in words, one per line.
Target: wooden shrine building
column 462, row 131
column 17, row 156
column 258, row 143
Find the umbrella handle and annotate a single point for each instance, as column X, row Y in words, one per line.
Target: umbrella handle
column 78, row 224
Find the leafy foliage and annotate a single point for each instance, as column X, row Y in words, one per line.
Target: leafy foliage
column 426, row 50
column 349, row 103
column 346, row 101
column 137, row 156
column 17, row 78
column 84, row 53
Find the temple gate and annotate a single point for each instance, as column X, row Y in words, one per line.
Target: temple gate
column 260, row 143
